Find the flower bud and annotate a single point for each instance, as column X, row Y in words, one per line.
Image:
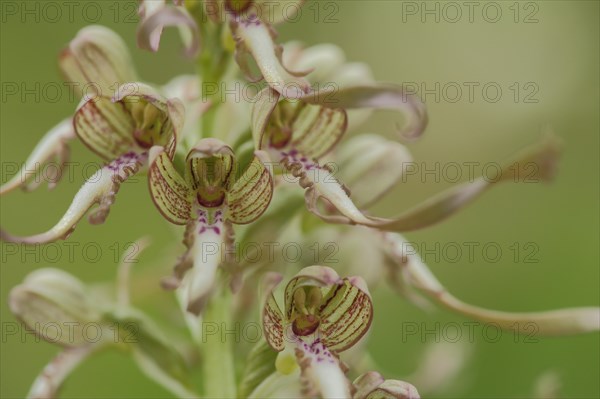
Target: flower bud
column 97, row 60
column 372, row 385
column 56, row 307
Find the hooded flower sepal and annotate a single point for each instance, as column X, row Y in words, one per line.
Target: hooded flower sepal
column 372, row 385
column 213, row 193
column 155, row 15
column 54, row 145
column 120, row 129
column 323, row 315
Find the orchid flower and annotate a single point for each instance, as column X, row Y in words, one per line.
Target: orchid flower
column 210, row 197
column 299, row 134
column 322, row 316
column 120, row 128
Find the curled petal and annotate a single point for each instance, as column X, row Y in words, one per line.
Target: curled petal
column 97, row 58
column 99, row 189
column 380, row 96
column 250, row 195
column 150, row 29
column 263, row 105
column 537, row 163
column 548, row 323
column 50, row 381
column 169, row 191
column 371, row 166
column 256, row 38
column 53, row 144
column 272, row 318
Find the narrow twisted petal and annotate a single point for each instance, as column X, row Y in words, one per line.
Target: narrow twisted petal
column 97, row 61
column 48, row 384
column 537, row 163
column 155, row 20
column 100, row 189
column 546, row 323
column 377, row 96
column 53, row 144
column 254, row 37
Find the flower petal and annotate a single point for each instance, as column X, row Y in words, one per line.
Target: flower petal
column 547, row 323
column 104, row 127
column 255, row 37
column 263, row 105
column 52, row 377
column 100, row 189
column 97, row 59
column 394, row 389
column 322, row 370
column 169, row 191
column 381, row 96
column 346, row 314
column 154, row 21
column 371, row 166
column 107, row 125
column 53, row 144
column 311, row 276
column 537, row 163
column 250, row 195
column 272, row 318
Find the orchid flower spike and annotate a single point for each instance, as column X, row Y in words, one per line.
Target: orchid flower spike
column 120, row 128
column 322, row 316
column 210, row 197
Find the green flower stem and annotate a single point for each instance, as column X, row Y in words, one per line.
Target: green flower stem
column 218, row 365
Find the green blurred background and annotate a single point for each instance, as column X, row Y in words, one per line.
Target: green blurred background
column 559, row 53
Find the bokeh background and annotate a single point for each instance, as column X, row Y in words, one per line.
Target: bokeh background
column 557, row 51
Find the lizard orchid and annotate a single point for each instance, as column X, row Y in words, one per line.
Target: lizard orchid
column 250, row 30
column 210, row 197
column 119, row 125
column 322, row 316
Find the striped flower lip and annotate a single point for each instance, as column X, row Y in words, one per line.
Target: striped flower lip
column 212, row 194
column 323, row 315
column 120, row 123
